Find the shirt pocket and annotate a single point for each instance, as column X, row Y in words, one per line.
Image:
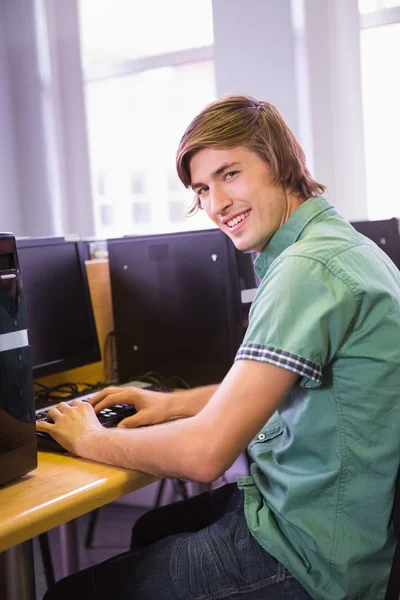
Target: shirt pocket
column 268, row 438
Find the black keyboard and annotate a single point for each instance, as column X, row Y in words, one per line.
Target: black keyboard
column 108, row 417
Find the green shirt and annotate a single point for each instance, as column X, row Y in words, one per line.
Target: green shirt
column 321, row 489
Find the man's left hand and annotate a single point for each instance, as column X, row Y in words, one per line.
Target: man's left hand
column 71, row 422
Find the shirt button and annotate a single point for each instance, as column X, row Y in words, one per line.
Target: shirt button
column 261, row 436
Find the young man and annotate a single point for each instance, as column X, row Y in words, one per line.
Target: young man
column 313, row 393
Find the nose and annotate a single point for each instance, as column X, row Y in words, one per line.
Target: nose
column 219, row 200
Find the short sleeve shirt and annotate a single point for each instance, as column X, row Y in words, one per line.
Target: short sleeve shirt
column 320, row 493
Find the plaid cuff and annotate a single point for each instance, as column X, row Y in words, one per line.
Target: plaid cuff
column 280, row 358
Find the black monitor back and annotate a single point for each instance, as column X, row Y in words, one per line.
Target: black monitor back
column 385, row 234
column 62, row 331
column 177, row 304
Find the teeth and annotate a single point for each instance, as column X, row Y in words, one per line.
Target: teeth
column 237, row 219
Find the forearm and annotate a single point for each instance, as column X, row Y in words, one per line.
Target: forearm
column 167, row 450
column 188, row 403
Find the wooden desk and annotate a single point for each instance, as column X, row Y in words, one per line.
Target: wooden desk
column 62, row 488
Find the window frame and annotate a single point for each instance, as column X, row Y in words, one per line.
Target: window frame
column 380, row 17
column 138, row 65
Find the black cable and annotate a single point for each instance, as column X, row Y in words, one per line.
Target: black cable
column 40, row 385
column 159, row 379
column 151, row 377
column 177, row 381
column 67, row 390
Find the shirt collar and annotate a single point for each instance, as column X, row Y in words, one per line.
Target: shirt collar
column 290, row 232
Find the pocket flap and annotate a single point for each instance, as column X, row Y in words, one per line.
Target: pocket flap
column 271, row 429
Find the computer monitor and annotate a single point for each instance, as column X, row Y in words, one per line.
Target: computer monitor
column 385, row 234
column 177, row 304
column 61, row 328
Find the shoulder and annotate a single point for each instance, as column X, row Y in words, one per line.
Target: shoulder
column 303, row 271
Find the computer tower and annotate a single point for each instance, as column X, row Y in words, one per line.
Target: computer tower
column 18, row 448
column 177, row 305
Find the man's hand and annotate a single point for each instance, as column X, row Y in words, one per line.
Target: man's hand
column 151, row 407
column 71, row 423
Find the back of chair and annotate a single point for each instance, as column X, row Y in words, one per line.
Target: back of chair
column 393, row 588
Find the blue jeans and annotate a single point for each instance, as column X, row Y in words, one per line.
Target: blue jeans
column 197, row 549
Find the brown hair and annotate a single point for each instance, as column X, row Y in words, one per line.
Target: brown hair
column 240, row 120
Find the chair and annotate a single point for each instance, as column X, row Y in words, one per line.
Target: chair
column 180, row 489
column 393, row 588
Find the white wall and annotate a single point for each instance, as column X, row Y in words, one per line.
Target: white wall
column 254, row 52
column 10, row 218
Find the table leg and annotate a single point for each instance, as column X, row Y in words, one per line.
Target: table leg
column 69, row 547
column 17, row 574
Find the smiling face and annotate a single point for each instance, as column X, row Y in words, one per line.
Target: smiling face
column 235, row 190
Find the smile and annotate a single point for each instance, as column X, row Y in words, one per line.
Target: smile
column 233, row 222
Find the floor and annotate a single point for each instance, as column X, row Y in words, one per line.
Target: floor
column 114, row 523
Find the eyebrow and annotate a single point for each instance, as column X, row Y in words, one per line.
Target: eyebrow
column 217, row 172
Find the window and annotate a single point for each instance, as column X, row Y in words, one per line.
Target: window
column 144, row 82
column 123, row 30
column 380, row 49
column 372, row 6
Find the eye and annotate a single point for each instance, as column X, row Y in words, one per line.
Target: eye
column 230, row 175
column 202, row 190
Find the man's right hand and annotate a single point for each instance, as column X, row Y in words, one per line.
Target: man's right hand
column 151, row 407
